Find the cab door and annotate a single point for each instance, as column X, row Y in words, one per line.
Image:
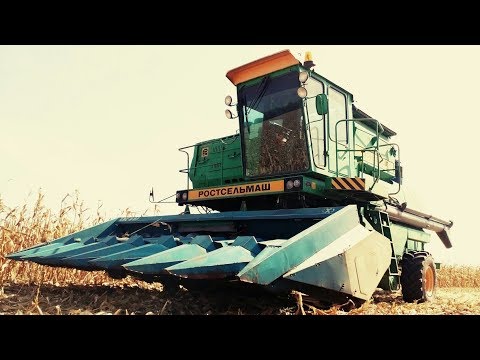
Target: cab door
column 338, row 136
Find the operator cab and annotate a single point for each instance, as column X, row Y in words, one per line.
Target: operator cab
column 282, row 108
column 294, row 121
column 301, row 143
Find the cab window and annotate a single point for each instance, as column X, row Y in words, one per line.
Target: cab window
column 337, row 103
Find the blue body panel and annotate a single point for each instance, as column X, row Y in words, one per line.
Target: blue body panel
column 116, row 260
column 252, row 246
column 221, row 263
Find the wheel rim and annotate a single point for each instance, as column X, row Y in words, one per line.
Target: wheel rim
column 429, row 281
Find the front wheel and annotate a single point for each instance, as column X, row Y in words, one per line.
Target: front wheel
column 418, row 277
column 117, row 273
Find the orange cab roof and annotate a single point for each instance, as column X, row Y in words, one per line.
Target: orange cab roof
column 263, row 66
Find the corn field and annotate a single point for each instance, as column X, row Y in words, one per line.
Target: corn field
column 28, row 288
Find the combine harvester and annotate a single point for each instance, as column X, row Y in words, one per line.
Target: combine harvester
column 307, row 196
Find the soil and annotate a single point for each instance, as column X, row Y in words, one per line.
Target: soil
column 140, row 298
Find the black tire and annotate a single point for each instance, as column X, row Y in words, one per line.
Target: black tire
column 407, row 255
column 418, row 277
column 170, row 283
column 117, row 274
column 416, row 253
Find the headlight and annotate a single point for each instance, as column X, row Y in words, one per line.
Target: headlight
column 296, row 183
column 302, row 92
column 289, row 184
column 178, row 196
column 228, row 100
column 228, row 114
column 184, row 196
column 303, row 76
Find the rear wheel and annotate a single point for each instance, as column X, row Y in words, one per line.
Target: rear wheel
column 418, row 277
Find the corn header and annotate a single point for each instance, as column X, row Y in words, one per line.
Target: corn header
column 306, row 196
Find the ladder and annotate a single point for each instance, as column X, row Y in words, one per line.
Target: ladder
column 381, row 222
column 393, row 274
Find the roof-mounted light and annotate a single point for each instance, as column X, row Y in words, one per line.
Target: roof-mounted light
column 302, row 92
column 303, row 77
column 308, row 60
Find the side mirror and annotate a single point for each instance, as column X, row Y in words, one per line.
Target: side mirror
column 398, row 172
column 322, row 104
column 372, row 141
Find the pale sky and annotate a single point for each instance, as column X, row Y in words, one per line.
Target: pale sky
column 108, row 120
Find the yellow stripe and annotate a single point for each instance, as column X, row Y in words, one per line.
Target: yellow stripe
column 237, row 190
column 352, row 184
column 362, row 181
column 335, row 184
column 348, row 183
column 340, row 180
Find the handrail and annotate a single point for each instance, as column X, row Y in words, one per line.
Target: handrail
column 188, row 168
column 182, row 149
column 374, row 149
column 398, row 152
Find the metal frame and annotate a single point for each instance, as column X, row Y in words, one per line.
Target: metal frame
column 374, row 149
